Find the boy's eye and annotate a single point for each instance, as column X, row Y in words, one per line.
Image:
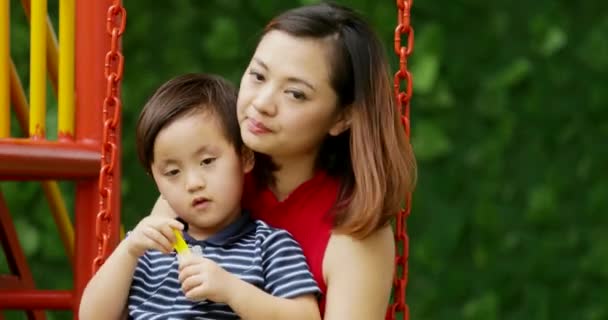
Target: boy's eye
column 171, row 173
column 207, row 161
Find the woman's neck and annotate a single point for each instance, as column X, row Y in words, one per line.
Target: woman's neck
column 291, row 174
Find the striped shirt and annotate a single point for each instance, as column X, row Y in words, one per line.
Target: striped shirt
column 266, row 257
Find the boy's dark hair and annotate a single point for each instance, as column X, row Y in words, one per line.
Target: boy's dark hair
column 181, row 96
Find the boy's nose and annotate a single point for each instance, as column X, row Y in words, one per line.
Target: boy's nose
column 195, row 182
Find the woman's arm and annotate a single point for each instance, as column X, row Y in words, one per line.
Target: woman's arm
column 162, row 209
column 359, row 275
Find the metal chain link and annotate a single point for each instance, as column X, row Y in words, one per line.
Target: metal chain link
column 403, row 94
column 113, row 71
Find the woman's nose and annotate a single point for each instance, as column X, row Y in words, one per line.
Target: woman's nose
column 264, row 102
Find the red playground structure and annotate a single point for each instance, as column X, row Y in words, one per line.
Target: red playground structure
column 86, row 73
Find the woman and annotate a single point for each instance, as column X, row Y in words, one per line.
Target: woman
column 332, row 161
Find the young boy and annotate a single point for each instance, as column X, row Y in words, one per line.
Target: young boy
column 188, row 139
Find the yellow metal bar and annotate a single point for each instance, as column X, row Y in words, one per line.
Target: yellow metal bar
column 60, row 215
column 51, row 188
column 66, row 68
column 38, row 68
column 52, row 52
column 18, row 99
column 5, row 102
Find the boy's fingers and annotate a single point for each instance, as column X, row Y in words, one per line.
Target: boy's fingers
column 187, row 268
column 190, row 258
column 191, row 283
column 159, row 238
column 167, row 232
column 176, row 224
column 185, row 261
column 182, row 261
column 196, row 293
column 167, row 229
column 191, row 269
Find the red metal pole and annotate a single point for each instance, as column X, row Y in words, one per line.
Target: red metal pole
column 42, row 160
column 33, row 301
column 92, row 44
column 22, row 278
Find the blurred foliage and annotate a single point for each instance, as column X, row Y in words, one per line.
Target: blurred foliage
column 510, row 127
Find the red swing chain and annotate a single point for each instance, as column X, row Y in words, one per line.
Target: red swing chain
column 113, row 71
column 403, row 75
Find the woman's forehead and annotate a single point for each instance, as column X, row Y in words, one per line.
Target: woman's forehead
column 292, row 56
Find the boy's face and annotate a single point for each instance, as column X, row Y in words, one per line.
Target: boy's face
column 199, row 172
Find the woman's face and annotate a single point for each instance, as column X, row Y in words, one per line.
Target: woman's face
column 286, row 105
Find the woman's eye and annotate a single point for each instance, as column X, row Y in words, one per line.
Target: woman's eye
column 207, row 161
column 297, row 95
column 258, row 77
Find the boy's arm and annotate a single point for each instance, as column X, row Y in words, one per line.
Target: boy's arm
column 290, row 289
column 105, row 296
column 251, row 303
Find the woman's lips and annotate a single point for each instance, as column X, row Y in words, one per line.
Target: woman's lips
column 256, row 127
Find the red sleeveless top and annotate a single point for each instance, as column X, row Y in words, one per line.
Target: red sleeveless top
column 304, row 214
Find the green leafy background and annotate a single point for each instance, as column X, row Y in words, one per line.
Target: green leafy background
column 509, row 124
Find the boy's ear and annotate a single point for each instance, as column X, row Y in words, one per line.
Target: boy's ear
column 343, row 121
column 248, row 159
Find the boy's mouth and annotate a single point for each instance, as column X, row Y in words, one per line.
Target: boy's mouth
column 200, row 203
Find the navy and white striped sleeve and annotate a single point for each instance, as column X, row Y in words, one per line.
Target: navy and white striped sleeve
column 286, row 272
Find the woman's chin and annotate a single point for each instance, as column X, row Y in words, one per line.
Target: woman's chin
column 256, row 143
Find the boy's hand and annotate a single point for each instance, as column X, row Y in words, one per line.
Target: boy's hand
column 153, row 233
column 202, row 279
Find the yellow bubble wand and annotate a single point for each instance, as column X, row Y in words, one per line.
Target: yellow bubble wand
column 180, row 244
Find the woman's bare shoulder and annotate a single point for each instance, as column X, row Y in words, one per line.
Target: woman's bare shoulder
column 359, row 275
